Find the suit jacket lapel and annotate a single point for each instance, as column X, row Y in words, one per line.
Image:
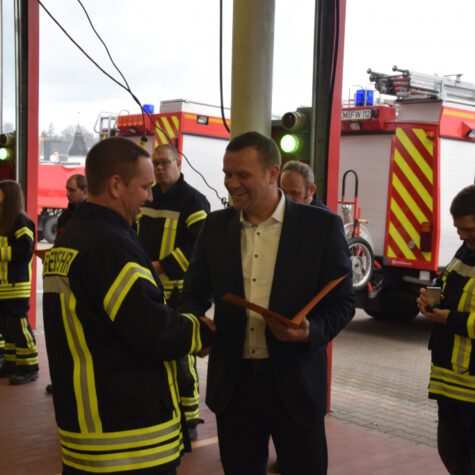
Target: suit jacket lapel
column 236, row 284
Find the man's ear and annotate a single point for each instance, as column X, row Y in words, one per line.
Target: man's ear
column 274, row 174
column 114, row 184
column 313, row 189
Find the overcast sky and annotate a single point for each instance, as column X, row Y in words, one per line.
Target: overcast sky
column 169, row 49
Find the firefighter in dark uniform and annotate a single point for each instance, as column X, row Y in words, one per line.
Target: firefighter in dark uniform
column 167, row 228
column 17, row 239
column 452, row 343
column 76, row 192
column 111, row 339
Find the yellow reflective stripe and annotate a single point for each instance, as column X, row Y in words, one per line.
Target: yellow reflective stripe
column 464, row 270
column 25, row 351
column 196, row 337
column 191, row 365
column 406, row 196
column 122, row 461
column 119, row 440
column 414, row 153
column 471, row 326
column 425, row 140
column 6, row 253
column 121, row 286
column 412, row 177
column 15, row 293
column 451, row 377
column 465, row 302
column 30, row 342
column 399, row 213
column 83, row 371
column 398, row 239
column 34, row 360
column 168, row 127
column 195, row 217
column 181, row 259
column 170, row 368
column 438, row 387
column 461, row 353
column 24, row 231
column 168, row 238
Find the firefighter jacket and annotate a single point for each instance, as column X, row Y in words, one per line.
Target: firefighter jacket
column 453, row 344
column 168, row 228
column 16, row 252
column 111, row 341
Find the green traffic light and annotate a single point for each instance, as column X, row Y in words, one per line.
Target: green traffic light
column 4, row 153
column 290, row 143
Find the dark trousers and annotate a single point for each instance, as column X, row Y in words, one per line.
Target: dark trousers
column 254, row 414
column 456, row 436
column 21, row 353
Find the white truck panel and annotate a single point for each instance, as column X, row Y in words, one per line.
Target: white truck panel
column 419, row 112
column 369, row 156
column 184, row 105
column 457, row 170
column 206, row 155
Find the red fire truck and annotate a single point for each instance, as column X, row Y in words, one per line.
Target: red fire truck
column 194, row 128
column 410, row 159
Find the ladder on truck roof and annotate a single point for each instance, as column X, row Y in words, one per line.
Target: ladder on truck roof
column 408, row 85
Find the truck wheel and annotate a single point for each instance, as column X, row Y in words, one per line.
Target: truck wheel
column 362, row 262
column 394, row 307
column 49, row 228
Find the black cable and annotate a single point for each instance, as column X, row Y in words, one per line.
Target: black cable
column 223, row 117
column 102, row 41
column 144, row 138
column 127, row 88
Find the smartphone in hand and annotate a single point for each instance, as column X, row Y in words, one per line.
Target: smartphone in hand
column 433, row 296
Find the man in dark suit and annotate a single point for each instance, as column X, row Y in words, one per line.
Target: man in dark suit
column 265, row 378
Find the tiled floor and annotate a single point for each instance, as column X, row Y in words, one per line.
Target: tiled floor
column 29, row 444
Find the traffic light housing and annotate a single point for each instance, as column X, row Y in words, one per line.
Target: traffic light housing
column 292, row 134
column 7, row 146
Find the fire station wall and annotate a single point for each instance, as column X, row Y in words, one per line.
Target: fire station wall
column 457, row 170
column 369, row 156
column 206, row 155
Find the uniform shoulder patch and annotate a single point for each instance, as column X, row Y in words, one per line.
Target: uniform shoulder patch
column 58, row 261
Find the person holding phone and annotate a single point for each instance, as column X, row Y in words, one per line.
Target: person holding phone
column 452, row 343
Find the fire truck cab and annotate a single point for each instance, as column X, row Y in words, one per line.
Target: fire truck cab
column 411, row 158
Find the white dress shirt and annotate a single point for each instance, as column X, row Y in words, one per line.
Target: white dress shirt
column 259, row 245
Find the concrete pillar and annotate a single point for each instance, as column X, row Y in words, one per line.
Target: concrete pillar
column 253, row 48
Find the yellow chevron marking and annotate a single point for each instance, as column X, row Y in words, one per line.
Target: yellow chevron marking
column 391, row 253
column 161, row 136
column 407, row 198
column 426, row 141
column 168, row 127
column 411, row 176
column 407, row 225
column 175, row 121
column 464, row 115
column 414, row 153
column 427, row 256
column 394, row 233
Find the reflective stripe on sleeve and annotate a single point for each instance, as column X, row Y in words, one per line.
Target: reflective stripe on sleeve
column 121, row 286
column 24, row 231
column 471, row 326
column 195, row 217
column 196, row 337
column 181, row 259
